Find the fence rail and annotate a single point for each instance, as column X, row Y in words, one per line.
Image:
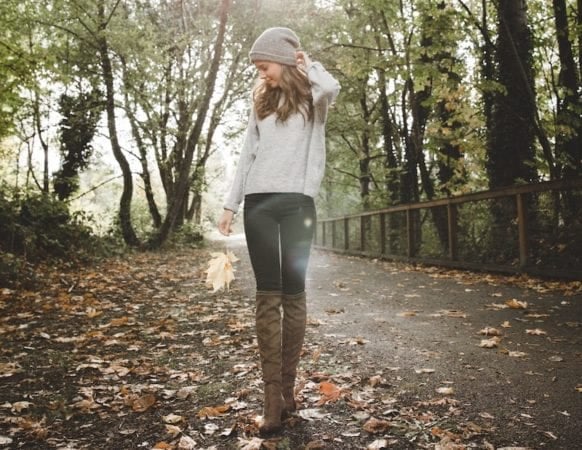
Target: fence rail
column 535, row 229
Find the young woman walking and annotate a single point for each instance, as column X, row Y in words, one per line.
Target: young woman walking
column 278, row 175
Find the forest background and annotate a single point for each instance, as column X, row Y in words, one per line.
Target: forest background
column 121, row 121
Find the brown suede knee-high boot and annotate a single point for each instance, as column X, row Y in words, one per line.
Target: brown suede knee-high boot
column 268, row 322
column 294, row 321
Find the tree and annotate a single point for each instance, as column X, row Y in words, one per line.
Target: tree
column 511, row 155
column 177, row 203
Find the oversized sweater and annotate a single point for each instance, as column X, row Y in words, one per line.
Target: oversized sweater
column 289, row 156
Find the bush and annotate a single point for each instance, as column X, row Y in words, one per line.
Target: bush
column 38, row 227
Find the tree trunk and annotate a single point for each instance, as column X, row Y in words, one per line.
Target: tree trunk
column 511, row 153
column 176, row 206
column 127, row 230
column 141, row 147
column 569, row 122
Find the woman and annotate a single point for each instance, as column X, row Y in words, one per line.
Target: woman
column 279, row 173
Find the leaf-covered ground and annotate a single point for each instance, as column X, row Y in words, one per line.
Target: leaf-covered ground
column 137, row 352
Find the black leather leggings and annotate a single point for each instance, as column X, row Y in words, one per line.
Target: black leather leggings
column 279, row 230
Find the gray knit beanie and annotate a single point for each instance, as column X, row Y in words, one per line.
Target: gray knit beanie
column 276, row 44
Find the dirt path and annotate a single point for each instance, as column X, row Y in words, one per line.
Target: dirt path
column 137, row 353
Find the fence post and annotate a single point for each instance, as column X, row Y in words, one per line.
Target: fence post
column 362, row 233
column 346, row 234
column 522, row 229
column 410, row 232
column 323, row 234
column 382, row 234
column 333, row 233
column 453, row 231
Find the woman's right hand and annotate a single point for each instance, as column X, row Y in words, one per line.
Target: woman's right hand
column 225, row 222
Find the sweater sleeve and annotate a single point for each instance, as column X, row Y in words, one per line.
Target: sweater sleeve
column 324, row 89
column 247, row 156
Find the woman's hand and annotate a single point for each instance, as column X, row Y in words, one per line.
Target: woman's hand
column 225, row 222
column 302, row 58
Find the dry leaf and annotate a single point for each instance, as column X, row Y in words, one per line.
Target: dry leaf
column 376, row 426
column 455, row 314
column 490, row 331
column 536, row 332
column 187, row 443
column 329, row 393
column 424, row 371
column 172, row 419
column 250, row 444
column 408, row 313
column 516, row 304
column 220, row 272
column 490, row 343
column 213, row 411
column 173, row 430
column 517, row 354
column 143, row 403
column 445, row 390
column 506, row 324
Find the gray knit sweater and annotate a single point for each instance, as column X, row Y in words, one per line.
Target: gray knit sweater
column 286, row 157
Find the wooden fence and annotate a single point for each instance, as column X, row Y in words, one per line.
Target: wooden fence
column 535, row 229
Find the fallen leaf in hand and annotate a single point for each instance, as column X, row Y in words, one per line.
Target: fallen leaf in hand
column 220, row 272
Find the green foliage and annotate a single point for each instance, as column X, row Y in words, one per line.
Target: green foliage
column 36, row 227
column 77, row 129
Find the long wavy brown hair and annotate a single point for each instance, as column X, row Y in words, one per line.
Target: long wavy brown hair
column 291, row 96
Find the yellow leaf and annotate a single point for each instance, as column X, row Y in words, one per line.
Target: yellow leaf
column 220, row 272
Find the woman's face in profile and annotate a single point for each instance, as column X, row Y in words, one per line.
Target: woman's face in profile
column 269, row 72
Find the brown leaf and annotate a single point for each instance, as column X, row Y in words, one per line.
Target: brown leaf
column 375, row 426
column 213, row 411
column 329, row 393
column 516, row 304
column 143, row 403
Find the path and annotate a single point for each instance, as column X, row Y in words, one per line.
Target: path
column 421, row 330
